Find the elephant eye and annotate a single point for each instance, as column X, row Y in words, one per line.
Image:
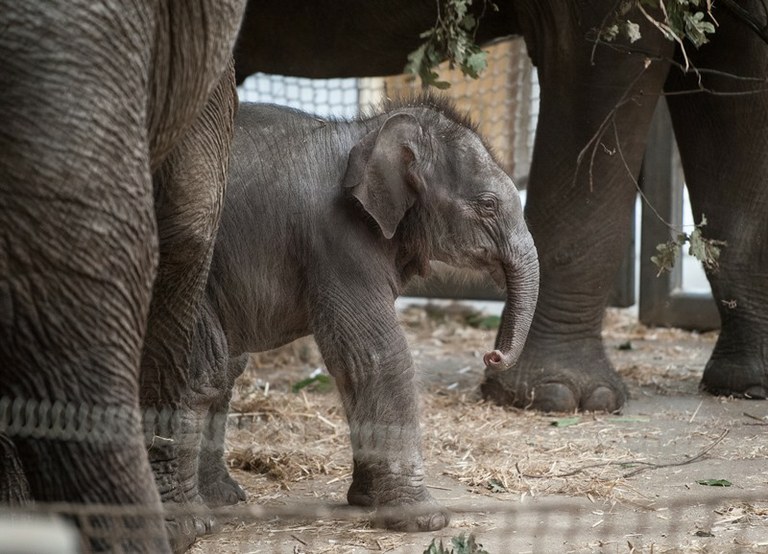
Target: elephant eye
column 488, row 204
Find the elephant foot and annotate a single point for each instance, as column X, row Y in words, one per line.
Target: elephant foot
column 402, row 503
column 186, row 516
column 738, row 365
column 420, row 516
column 223, row 491
column 739, row 376
column 567, row 378
column 185, row 524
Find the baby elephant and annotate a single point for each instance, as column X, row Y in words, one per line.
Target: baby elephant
column 324, row 222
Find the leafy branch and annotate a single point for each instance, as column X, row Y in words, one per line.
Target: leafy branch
column 681, row 19
column 462, row 544
column 707, row 251
column 452, row 37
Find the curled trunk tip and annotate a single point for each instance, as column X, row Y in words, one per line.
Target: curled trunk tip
column 497, row 360
column 522, row 283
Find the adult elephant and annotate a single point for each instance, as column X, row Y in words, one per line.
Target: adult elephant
column 115, row 136
column 595, row 111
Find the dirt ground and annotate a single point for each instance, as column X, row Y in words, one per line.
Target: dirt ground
column 648, row 480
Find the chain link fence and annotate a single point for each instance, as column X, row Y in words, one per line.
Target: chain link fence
column 504, row 101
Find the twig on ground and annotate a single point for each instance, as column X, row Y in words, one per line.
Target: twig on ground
column 299, row 540
column 762, row 420
column 696, row 411
column 695, row 458
column 647, row 465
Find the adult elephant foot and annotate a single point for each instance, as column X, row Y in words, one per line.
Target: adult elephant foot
column 741, row 372
column 402, row 502
column 563, row 378
column 221, row 489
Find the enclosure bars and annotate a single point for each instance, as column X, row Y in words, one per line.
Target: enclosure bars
column 663, row 302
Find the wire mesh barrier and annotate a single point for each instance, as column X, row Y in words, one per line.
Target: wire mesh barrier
column 700, row 523
column 66, row 421
column 504, row 101
column 530, row 495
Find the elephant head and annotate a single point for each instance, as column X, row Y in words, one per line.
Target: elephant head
column 430, row 183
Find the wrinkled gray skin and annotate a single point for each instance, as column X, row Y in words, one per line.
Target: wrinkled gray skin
column 580, row 212
column 116, row 126
column 323, row 224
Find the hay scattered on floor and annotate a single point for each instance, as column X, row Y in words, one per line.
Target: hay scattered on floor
column 284, row 444
column 288, row 437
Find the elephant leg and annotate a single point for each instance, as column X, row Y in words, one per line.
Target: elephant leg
column 723, row 141
column 189, row 188
column 594, row 117
column 217, row 486
column 356, row 328
column 78, row 255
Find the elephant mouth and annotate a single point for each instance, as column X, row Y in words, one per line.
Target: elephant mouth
column 497, row 275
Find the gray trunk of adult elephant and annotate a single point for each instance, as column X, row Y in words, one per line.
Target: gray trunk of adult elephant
column 522, row 285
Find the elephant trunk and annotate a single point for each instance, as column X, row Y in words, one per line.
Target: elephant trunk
column 521, row 275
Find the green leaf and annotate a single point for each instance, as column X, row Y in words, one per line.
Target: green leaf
column 452, row 38
column 475, row 64
column 632, row 31
column 494, row 485
column 433, row 548
column 566, row 421
column 696, row 28
column 323, row 383
column 610, row 33
column 707, row 251
column 416, row 60
column 679, row 19
column 715, row 482
column 667, row 255
column 442, row 85
column 479, row 320
column 467, row 545
column 469, row 22
column 462, row 544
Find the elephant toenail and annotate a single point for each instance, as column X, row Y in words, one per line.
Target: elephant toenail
column 756, row 392
column 602, row 399
column 553, row 397
column 438, row 521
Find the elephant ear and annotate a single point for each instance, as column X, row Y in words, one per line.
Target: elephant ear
column 380, row 171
